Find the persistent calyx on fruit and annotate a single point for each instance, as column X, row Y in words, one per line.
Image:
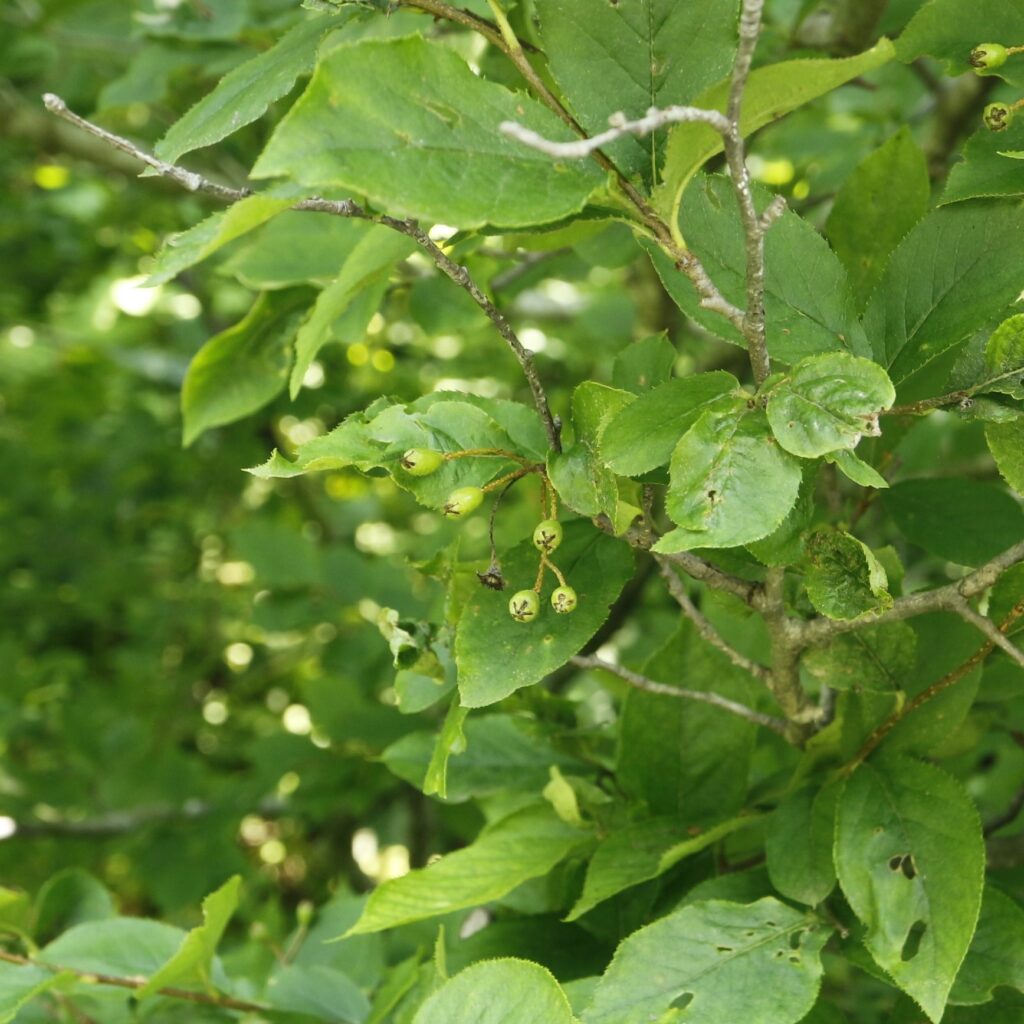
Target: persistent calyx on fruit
column 563, row 600
column 998, row 116
column 524, row 606
column 421, row 461
column 987, row 56
column 462, row 501
column 547, row 536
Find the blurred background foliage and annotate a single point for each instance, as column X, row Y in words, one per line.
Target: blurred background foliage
column 193, row 679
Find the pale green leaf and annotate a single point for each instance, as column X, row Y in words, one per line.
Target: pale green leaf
column 844, row 578
column 1004, row 359
column 961, row 265
column 856, row 469
column 730, row 482
column 241, row 369
column 372, row 258
column 909, row 855
column 633, row 56
column 758, row 964
column 809, row 305
column 319, row 992
column 125, row 946
column 193, row 960
column 964, row 521
column 798, row 844
column 642, row 435
column 771, row 92
column 527, row 844
column 70, row 897
column 190, row 247
column 434, row 154
column 20, row 985
column 996, row 955
column 450, row 740
column 245, row 92
column 497, row 655
column 879, row 658
column 1006, row 442
column 885, row 196
column 828, row 402
column 504, row 991
column 645, row 850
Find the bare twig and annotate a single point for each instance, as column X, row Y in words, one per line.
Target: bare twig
column 754, row 226
column 205, row 998
column 654, row 119
column 986, row 626
column 704, row 628
column 641, row 682
column 1008, row 816
column 341, row 208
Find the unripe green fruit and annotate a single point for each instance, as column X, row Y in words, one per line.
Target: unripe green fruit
column 988, row 56
column 547, row 536
column 421, row 461
column 998, row 116
column 524, row 606
column 304, row 912
column 462, row 501
column 564, row 600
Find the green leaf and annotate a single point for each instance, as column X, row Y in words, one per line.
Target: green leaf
column 682, row 758
column 996, row 954
column 497, row 655
column 949, row 30
column 844, row 578
column 827, row 403
column 909, row 854
column 70, row 897
column 771, row 92
column 877, row 658
column 885, row 196
column 963, row 521
column 499, row 751
column 244, row 93
column 504, row 991
column 730, row 482
column 526, row 844
column 123, row 946
column 578, row 473
column 644, row 365
column 20, row 985
column 190, row 247
column 1004, row 359
column 317, row 991
column 961, row 265
column 985, row 172
column 630, row 57
column 1006, row 442
column 435, row 154
column 194, row 958
column 758, row 963
column 857, row 470
column 798, row 844
column 809, row 305
column 370, row 260
column 645, row 850
column 241, row 369
column 642, row 435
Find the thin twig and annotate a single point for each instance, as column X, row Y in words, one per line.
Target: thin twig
column 654, row 119
column 341, row 208
column 640, row 682
column 987, row 627
column 705, row 628
column 223, row 1002
column 1008, row 816
column 754, row 226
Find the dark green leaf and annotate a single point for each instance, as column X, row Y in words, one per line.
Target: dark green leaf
column 799, row 844
column 879, row 658
column 984, row 171
column 996, row 955
column 844, row 578
column 644, row 365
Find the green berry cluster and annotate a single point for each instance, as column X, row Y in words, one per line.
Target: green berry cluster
column 524, row 606
column 987, row 57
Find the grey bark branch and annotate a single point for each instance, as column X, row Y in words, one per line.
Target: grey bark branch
column 754, row 226
column 340, row 208
column 706, row 630
column 654, row 119
column 641, row 682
